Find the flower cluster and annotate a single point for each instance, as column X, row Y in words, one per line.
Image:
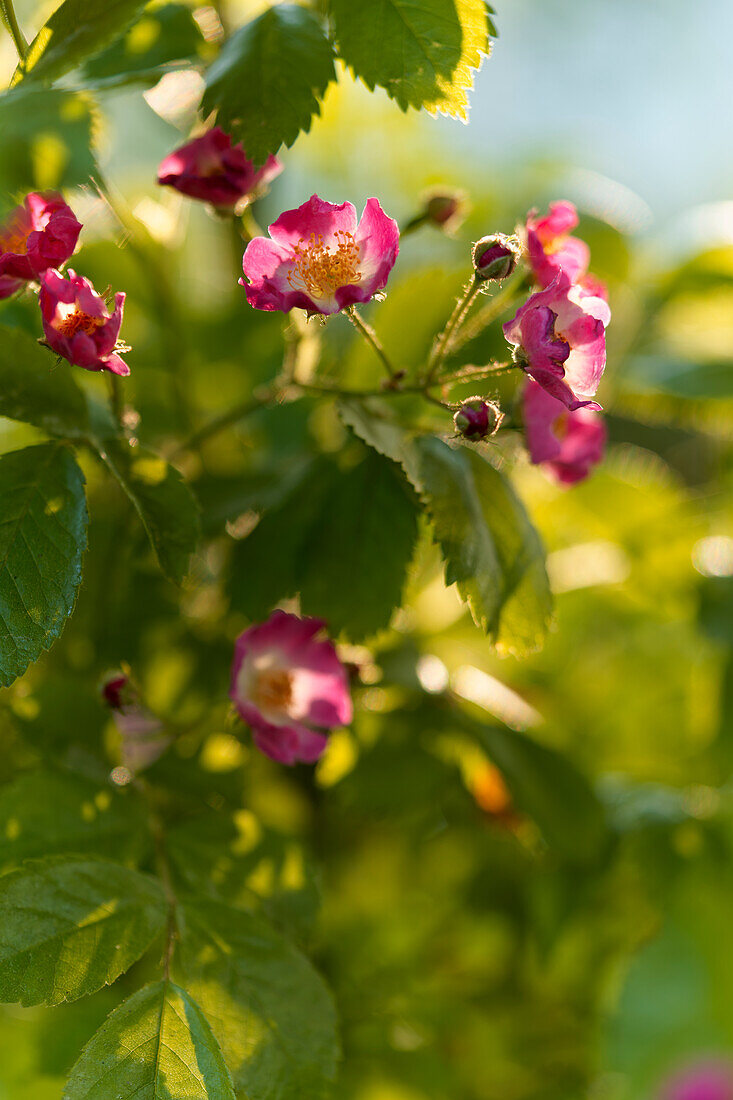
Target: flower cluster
column 36, row 239
column 711, row 1080
column 559, row 340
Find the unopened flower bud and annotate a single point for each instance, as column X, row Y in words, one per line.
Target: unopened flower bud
column 477, row 418
column 495, row 256
column 445, row 208
column 117, row 691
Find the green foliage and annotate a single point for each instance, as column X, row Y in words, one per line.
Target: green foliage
column 34, row 389
column 490, row 548
column 161, row 498
column 422, row 54
column 160, row 37
column 46, row 813
column 46, row 138
column 42, row 540
column 72, row 925
column 548, row 787
column 157, row 1044
column 267, row 1006
column 247, row 865
column 266, row 84
column 343, row 540
column 76, row 30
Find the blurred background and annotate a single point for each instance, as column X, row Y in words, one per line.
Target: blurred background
column 476, row 953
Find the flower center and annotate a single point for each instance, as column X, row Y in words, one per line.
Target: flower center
column 561, row 425
column 72, row 320
column 319, row 271
column 273, row 689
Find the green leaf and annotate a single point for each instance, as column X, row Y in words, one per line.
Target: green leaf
column 46, row 139
column 422, row 52
column 33, row 389
column 161, row 36
column 545, row 785
column 42, row 540
column 76, row 30
column 47, row 813
column 69, row 926
column 156, row 1046
column 267, row 1006
column 491, row 550
column 162, row 499
column 268, row 80
column 343, row 539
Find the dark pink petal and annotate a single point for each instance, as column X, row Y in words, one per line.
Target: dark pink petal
column 9, row 286
column 213, row 170
column 317, row 217
column 378, row 237
column 267, row 266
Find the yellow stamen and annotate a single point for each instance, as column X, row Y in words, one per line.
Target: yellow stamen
column 319, row 271
column 273, row 689
column 77, row 321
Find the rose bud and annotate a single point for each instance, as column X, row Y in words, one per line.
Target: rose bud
column 290, row 687
column 210, row 168
column 495, row 256
column 477, row 418
column 39, row 234
column 77, row 324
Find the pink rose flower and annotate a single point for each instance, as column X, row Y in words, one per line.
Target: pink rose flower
column 77, row 323
column 707, row 1081
column 551, row 249
column 210, row 168
column 289, row 687
column 39, row 234
column 560, row 340
column 319, row 259
column 568, row 444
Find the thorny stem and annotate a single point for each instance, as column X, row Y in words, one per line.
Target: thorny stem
column 493, row 309
column 444, row 340
column 8, row 13
column 371, row 337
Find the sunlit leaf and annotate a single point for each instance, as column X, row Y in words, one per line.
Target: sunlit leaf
column 266, row 1004
column 42, row 540
column 69, row 926
column 423, row 52
column 156, row 1046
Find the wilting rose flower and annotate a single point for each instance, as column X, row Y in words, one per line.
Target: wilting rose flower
column 78, row 324
column 319, row 259
column 706, row 1081
column 551, row 249
column 210, row 168
column 289, row 687
column 568, row 444
column 143, row 739
column 39, row 234
column 560, row 340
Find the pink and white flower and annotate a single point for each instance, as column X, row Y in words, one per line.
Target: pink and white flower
column 210, row 168
column 77, row 323
column 318, row 258
column 39, row 234
column 707, row 1081
column 551, row 248
column 560, row 340
column 567, row 444
column 290, row 687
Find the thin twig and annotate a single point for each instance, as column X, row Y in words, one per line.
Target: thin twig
column 8, row 12
column 371, row 337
